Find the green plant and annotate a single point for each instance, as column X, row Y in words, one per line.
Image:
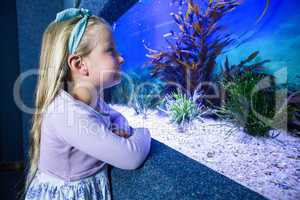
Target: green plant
column 193, row 49
column 181, row 108
column 294, row 118
column 122, row 93
column 145, row 97
column 230, row 72
column 246, row 108
column 294, row 108
column 249, row 64
column 139, row 91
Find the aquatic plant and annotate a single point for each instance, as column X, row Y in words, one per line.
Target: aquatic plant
column 286, row 116
column 230, row 72
column 121, row 93
column 138, row 91
column 181, row 109
column 193, row 49
column 146, row 96
column 294, row 118
column 245, row 107
column 294, row 109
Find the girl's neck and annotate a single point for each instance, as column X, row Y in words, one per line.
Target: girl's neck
column 87, row 95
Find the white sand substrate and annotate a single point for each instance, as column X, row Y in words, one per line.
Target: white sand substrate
column 269, row 166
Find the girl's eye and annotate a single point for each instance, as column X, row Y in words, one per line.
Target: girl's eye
column 111, row 50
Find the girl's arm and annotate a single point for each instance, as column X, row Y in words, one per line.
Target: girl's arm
column 118, row 122
column 85, row 131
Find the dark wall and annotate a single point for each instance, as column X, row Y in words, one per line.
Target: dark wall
column 33, row 17
column 110, row 10
column 11, row 149
column 10, row 115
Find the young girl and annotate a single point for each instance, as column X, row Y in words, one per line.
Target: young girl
column 75, row 134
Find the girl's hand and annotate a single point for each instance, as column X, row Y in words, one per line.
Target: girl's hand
column 121, row 133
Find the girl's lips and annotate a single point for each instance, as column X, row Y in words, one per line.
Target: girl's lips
column 117, row 76
column 116, row 79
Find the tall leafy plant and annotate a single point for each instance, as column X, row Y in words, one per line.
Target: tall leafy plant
column 193, row 49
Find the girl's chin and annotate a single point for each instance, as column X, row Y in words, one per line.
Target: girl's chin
column 116, row 82
column 113, row 83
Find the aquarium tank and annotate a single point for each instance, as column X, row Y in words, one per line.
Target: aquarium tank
column 234, row 62
column 197, row 46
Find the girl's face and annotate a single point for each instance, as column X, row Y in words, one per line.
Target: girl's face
column 104, row 62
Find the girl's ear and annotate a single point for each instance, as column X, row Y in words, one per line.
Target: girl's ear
column 77, row 65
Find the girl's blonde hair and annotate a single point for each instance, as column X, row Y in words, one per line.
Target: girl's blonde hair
column 54, row 73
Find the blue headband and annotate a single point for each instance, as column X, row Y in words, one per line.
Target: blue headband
column 79, row 28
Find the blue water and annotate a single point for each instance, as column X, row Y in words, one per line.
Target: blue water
column 270, row 26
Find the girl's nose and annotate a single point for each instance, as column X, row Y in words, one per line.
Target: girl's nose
column 120, row 59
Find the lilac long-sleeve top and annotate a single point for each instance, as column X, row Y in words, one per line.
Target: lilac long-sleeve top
column 77, row 141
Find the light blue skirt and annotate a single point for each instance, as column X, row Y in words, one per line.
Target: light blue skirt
column 47, row 187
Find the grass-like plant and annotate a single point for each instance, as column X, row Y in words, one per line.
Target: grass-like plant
column 294, row 108
column 193, row 49
column 146, row 97
column 245, row 108
column 182, row 109
column 248, row 109
column 229, row 72
column 294, row 118
column 122, row 93
column 138, row 91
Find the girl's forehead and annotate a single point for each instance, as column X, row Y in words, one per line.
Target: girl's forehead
column 100, row 36
column 105, row 35
column 103, row 45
